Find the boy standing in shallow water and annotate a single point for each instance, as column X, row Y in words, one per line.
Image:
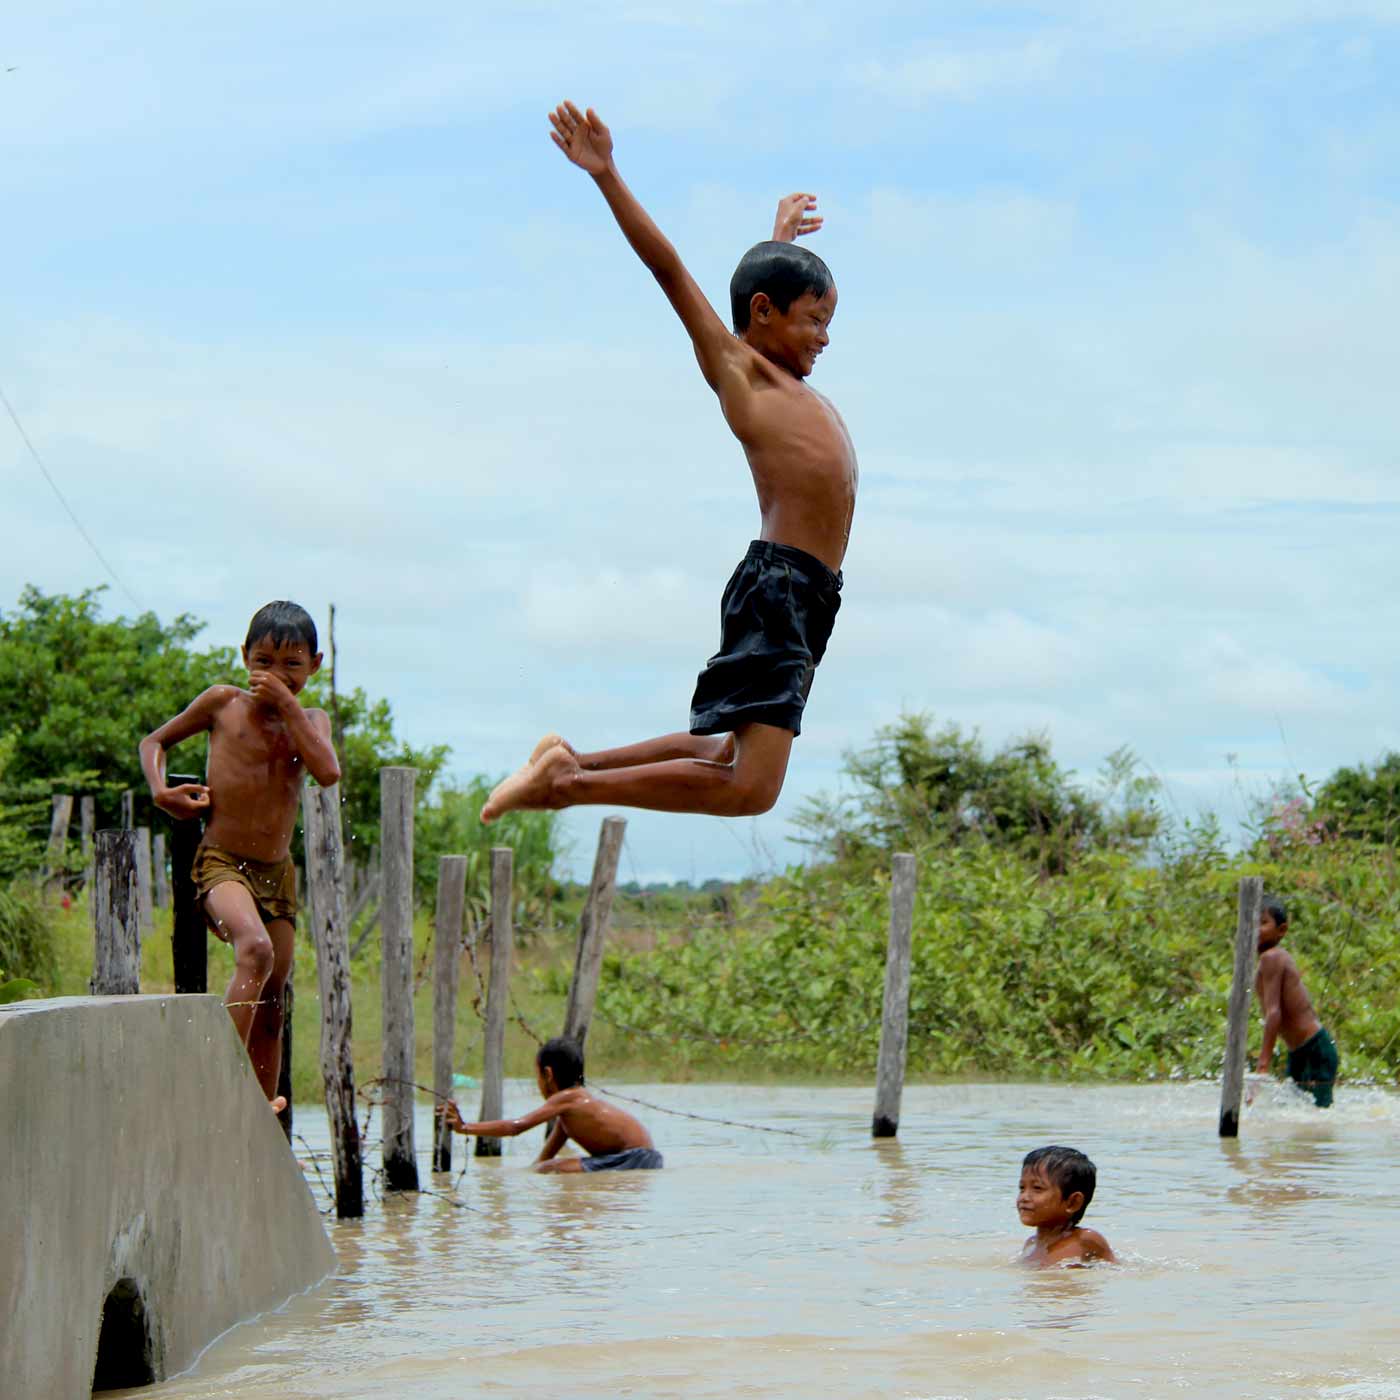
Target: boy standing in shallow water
column 614, row 1140
column 1288, row 1012
column 1057, row 1184
column 262, row 743
column 781, row 602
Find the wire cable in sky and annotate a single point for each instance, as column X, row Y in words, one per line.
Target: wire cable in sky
column 77, row 524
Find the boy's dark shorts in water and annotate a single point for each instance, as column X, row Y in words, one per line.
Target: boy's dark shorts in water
column 634, row 1159
column 776, row 617
column 1313, row 1066
column 273, row 884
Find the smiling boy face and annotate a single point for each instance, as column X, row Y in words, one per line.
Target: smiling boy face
column 1039, row 1201
column 292, row 662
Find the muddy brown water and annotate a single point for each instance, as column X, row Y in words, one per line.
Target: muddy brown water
column 822, row 1264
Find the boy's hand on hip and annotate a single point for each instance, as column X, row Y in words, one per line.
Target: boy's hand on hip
column 269, row 689
column 186, row 801
column 582, row 137
column 795, row 218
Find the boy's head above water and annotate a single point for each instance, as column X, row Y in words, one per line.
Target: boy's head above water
column 782, row 298
column 1273, row 921
column 282, row 639
column 559, row 1065
column 1057, row 1184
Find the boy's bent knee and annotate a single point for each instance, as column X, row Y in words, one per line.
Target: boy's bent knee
column 255, row 956
column 752, row 796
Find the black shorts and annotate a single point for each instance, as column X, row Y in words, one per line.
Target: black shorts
column 1313, row 1066
column 775, row 620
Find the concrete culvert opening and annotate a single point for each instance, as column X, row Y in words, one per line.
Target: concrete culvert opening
column 124, row 1341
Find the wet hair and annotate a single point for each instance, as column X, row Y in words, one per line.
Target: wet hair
column 782, row 270
column 282, row 622
column 565, row 1058
column 1065, row 1167
column 1276, row 909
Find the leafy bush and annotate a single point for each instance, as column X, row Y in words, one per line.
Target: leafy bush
column 26, row 935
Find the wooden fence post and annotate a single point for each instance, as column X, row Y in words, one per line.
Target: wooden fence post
column 62, row 818
column 160, row 870
column 396, row 925
column 447, row 962
column 1251, row 898
column 116, row 916
column 143, row 876
column 284, row 1066
column 894, row 1027
column 128, row 810
column 593, row 929
column 497, row 995
column 330, row 929
column 87, row 809
column 189, row 939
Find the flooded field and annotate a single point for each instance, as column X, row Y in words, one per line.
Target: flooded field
column 813, row 1262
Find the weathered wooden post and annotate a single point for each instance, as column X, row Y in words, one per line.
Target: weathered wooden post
column 894, row 1026
column 58, row 841
column 189, row 940
column 1251, row 899
column 116, row 916
column 396, row 924
column 447, row 962
column 160, row 870
column 497, row 995
column 593, row 929
column 143, row 876
column 87, row 809
column 330, row 929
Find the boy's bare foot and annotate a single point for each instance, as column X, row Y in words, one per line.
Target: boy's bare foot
column 533, row 785
column 550, row 741
column 277, row 1104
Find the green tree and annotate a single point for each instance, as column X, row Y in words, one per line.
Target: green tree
column 1363, row 802
column 917, row 784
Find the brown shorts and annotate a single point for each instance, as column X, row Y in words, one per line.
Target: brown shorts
column 273, row 884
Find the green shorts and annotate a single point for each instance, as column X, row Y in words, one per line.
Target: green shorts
column 273, row 884
column 1313, row 1066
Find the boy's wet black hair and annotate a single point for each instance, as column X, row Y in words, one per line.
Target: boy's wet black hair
column 1276, row 909
column 1065, row 1167
column 565, row 1058
column 783, row 270
column 282, row 622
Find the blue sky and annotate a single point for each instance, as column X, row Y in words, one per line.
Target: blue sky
column 302, row 302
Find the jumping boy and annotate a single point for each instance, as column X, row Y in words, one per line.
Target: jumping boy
column 262, row 743
column 1057, row 1184
column 780, row 603
column 1288, row 1011
column 614, row 1140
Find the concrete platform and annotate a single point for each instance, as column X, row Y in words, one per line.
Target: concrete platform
column 142, row 1177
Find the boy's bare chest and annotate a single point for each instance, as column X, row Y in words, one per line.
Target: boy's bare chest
column 242, row 747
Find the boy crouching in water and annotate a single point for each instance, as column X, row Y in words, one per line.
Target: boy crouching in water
column 262, row 743
column 1057, row 1184
column 614, row 1140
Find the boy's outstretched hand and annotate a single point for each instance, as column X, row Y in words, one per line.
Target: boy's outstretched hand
column 795, row 218
column 451, row 1115
column 582, row 137
column 184, row 801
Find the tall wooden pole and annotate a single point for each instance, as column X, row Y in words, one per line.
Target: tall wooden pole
column 59, row 823
column 396, row 925
column 160, row 871
column 497, row 997
column 593, row 929
column 87, row 809
column 1251, row 899
column 189, row 940
column 128, row 810
column 330, row 929
column 447, row 963
column 143, row 876
column 116, row 916
column 894, row 1026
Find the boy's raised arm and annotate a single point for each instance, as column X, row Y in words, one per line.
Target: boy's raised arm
column 588, row 144
column 188, row 799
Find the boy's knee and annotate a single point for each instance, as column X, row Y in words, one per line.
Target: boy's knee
column 256, row 956
column 755, row 794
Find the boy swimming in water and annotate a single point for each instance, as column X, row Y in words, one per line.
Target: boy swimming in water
column 781, row 602
column 1057, row 1184
column 614, row 1140
column 262, row 743
column 1288, row 1012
